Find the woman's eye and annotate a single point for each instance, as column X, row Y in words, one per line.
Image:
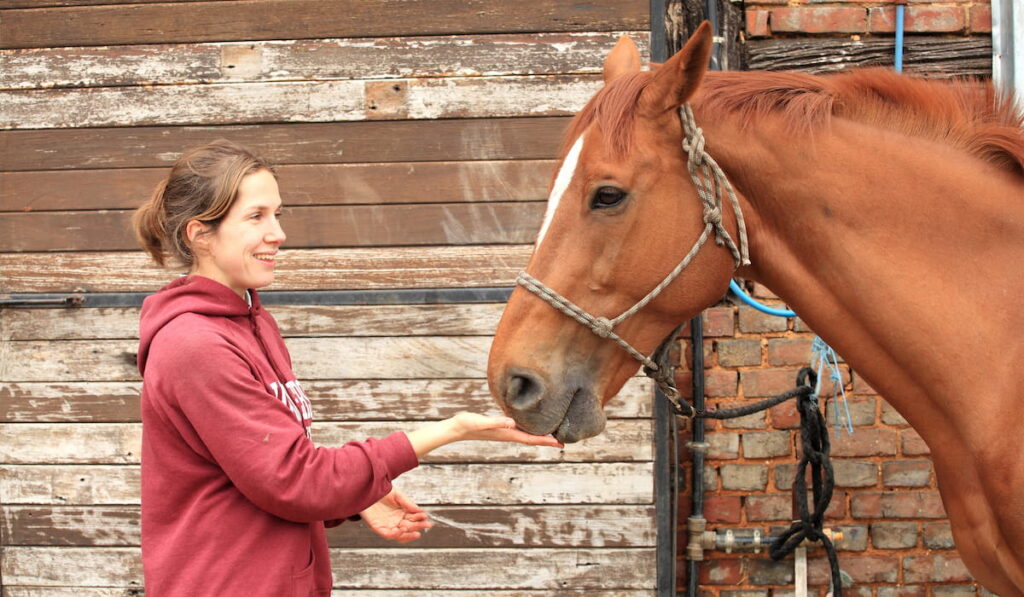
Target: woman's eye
column 607, row 197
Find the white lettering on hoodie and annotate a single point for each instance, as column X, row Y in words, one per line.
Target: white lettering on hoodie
column 294, row 397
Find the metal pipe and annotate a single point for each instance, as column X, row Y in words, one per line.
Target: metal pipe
column 698, row 446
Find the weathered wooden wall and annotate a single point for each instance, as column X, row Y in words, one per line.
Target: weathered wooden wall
column 415, row 143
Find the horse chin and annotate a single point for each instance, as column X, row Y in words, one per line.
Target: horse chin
column 584, row 419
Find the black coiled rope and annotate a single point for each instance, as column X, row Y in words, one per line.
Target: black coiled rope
column 815, row 450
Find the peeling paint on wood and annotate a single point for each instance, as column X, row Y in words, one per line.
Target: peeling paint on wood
column 467, row 484
column 322, row 59
column 307, row 269
column 295, row 101
column 120, row 443
column 333, row 400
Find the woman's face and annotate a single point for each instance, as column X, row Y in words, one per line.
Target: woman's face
column 241, row 253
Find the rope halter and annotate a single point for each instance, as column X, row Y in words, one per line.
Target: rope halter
column 710, row 182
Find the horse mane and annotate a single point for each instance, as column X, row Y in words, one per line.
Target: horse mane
column 966, row 114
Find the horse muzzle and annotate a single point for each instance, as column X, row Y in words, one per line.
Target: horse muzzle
column 570, row 410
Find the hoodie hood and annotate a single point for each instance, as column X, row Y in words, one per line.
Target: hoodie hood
column 188, row 294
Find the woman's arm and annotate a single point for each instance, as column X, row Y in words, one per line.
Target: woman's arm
column 469, row 426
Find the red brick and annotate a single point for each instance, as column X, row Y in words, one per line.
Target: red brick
column 752, row 321
column 785, row 415
column 981, row 18
column 902, row 591
column 757, row 23
column 911, row 444
column 789, row 351
column 760, row 383
column 890, row 416
column 871, row 568
column 866, row 442
column 819, row 20
column 898, row 504
column 907, row 473
column 941, row 567
column 722, row 572
column 738, row 352
column 862, row 411
column 717, row 322
column 723, row 508
column 769, row 507
column 918, row 19
column 860, row 386
column 718, row 383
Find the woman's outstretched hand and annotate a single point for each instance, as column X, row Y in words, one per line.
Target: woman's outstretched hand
column 397, row 518
column 470, row 426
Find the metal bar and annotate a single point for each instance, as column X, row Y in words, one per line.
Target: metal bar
column 55, row 300
column 1008, row 48
column 666, row 485
column 427, row 296
column 697, row 448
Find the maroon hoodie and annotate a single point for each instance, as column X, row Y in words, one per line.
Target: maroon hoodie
column 234, row 493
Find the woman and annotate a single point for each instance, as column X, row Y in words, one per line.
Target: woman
column 235, row 495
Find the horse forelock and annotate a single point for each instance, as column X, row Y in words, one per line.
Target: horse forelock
column 613, row 109
column 966, row 114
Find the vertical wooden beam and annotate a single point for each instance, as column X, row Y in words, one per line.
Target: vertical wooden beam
column 684, row 16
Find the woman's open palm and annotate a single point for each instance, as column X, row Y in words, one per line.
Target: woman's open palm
column 397, row 518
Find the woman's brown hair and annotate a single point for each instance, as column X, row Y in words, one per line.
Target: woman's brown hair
column 202, row 185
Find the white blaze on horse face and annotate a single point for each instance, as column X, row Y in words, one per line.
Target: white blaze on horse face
column 562, row 181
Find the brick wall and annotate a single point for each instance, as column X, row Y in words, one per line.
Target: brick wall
column 766, row 18
column 897, row 540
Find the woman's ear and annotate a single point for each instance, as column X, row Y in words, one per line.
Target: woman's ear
column 195, row 233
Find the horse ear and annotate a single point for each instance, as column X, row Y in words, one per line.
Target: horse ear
column 622, row 60
column 676, row 80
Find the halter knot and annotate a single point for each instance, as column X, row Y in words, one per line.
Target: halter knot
column 603, row 327
column 713, row 216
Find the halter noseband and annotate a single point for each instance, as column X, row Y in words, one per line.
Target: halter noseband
column 709, row 180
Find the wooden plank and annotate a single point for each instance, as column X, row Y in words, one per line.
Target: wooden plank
column 931, row 56
column 315, row 226
column 543, row 568
column 435, row 357
column 429, row 484
column 121, row 443
column 127, row 592
column 262, row 19
column 296, row 143
column 333, row 400
column 297, row 101
column 454, row 527
column 319, row 184
column 294, row 320
column 308, row 269
column 321, row 59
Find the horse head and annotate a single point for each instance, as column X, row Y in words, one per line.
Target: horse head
column 621, row 214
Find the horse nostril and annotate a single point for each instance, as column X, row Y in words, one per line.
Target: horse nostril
column 524, row 392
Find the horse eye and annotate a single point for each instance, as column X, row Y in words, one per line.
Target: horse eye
column 607, row 197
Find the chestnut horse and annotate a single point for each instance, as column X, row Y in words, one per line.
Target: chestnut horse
column 887, row 211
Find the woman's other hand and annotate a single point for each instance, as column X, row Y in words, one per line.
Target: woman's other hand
column 397, row 518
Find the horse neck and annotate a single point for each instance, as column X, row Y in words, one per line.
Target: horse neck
column 895, row 250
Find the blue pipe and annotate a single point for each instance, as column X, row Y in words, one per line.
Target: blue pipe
column 735, row 288
column 898, row 65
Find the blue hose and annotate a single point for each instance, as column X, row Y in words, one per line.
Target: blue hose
column 735, row 288
column 898, row 65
